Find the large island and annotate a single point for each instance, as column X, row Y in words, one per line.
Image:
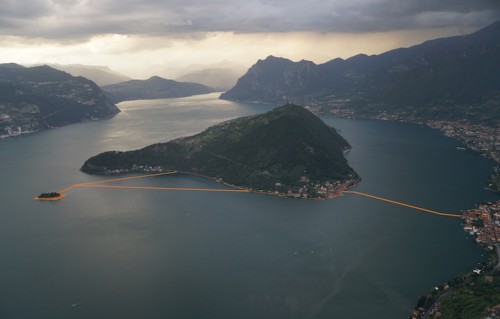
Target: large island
column 288, row 151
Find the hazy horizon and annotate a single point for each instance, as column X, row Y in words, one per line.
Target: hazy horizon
column 142, row 38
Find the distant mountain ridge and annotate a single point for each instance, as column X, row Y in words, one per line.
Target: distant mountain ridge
column 101, row 75
column 287, row 150
column 153, row 88
column 221, row 76
column 449, row 78
column 37, row 98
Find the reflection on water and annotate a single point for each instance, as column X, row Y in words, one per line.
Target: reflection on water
column 115, row 253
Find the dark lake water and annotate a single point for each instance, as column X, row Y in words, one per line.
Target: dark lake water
column 113, row 253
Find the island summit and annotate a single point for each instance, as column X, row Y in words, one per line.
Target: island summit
column 287, row 151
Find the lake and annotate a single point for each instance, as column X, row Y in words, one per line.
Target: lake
column 117, row 253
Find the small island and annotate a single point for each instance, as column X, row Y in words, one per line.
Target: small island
column 286, row 152
column 49, row 196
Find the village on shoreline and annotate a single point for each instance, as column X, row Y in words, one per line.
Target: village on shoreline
column 483, row 225
column 307, row 190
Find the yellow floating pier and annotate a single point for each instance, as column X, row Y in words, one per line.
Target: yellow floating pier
column 222, row 190
column 98, row 184
column 114, row 180
column 403, row 204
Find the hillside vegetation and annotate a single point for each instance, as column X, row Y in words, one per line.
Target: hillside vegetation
column 275, row 151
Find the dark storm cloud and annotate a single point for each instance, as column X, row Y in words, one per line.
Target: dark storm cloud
column 66, row 19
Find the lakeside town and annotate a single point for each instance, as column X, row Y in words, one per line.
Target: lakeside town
column 12, row 131
column 331, row 189
column 483, row 224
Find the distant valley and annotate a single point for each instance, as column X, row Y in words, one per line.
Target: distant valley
column 221, row 76
column 220, row 79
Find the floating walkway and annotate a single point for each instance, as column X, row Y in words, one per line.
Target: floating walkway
column 403, row 204
column 221, row 190
column 113, row 180
column 99, row 184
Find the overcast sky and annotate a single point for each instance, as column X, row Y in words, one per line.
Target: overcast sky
column 139, row 37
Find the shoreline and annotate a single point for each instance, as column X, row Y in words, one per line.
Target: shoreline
column 48, row 128
column 250, row 190
column 334, row 191
column 482, row 223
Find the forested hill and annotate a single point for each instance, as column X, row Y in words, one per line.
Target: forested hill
column 38, row 98
column 277, row 151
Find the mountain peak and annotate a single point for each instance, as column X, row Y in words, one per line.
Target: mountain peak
column 11, row 66
column 156, row 78
column 272, row 58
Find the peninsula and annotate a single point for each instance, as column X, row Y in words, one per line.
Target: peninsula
column 287, row 151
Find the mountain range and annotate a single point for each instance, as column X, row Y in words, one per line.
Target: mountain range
column 37, row 98
column 449, row 78
column 153, row 88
